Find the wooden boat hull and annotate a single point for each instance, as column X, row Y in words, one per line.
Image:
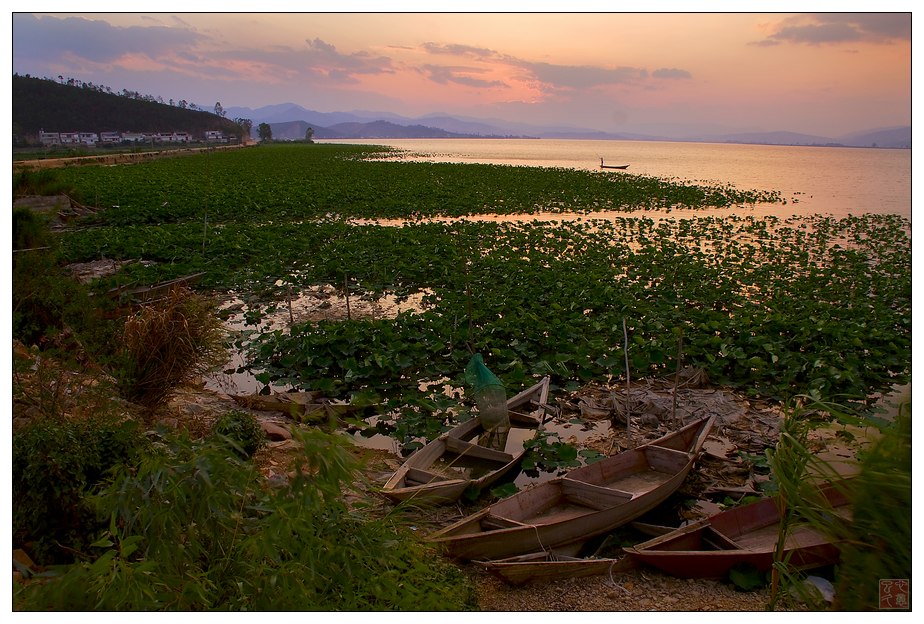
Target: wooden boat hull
column 420, row 480
column 587, row 502
column 544, row 566
column 711, row 547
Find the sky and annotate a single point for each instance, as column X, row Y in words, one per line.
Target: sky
column 665, row 72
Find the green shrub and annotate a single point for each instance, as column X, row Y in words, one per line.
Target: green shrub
column 197, row 529
column 243, row 430
column 39, row 182
column 51, row 308
column 30, row 230
column 56, row 465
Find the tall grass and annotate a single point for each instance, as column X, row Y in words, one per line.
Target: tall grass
column 875, row 541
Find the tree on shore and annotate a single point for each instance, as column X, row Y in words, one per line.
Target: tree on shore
column 245, row 125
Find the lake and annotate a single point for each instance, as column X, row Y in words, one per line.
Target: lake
column 813, row 180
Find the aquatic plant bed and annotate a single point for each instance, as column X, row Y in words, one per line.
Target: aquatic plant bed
column 776, row 307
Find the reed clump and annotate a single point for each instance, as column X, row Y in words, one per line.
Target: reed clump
column 166, row 344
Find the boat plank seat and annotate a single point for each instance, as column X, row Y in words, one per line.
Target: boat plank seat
column 593, row 496
column 665, row 459
column 718, row 540
column 422, row 477
column 492, row 522
column 475, row 451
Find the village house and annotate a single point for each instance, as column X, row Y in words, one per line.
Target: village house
column 110, row 138
column 49, row 138
column 88, row 138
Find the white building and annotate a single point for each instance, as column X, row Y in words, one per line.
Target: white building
column 49, row 138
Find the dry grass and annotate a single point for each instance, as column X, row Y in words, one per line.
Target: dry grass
column 167, row 343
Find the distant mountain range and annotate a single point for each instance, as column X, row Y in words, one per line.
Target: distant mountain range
column 290, row 121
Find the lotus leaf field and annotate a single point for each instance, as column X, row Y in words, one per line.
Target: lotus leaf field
column 776, row 307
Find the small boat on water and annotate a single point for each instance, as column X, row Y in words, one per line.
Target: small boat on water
column 602, row 166
column 587, row 502
column 469, row 456
column 711, row 547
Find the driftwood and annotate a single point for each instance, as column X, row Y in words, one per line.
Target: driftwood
column 309, row 406
column 154, row 292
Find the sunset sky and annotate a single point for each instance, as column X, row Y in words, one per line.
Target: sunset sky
column 824, row 74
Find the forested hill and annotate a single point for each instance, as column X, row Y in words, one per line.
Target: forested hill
column 41, row 104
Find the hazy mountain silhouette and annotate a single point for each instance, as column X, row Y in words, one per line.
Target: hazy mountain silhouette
column 371, row 125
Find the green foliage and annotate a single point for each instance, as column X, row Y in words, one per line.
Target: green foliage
column 29, row 230
column 51, row 308
column 879, row 544
column 197, row 529
column 39, row 182
column 547, row 453
column 242, row 430
column 56, row 465
column 812, row 305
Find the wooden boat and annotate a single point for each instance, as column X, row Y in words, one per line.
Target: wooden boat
column 602, row 166
column 466, row 456
column 709, row 548
column 543, row 566
column 587, row 502
column 565, row 562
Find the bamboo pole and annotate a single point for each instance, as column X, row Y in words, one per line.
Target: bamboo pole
column 677, row 378
column 625, row 335
column 346, row 293
column 289, row 299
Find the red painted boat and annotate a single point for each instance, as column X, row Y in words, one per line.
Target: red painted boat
column 709, row 548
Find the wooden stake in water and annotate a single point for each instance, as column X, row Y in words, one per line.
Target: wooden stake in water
column 677, row 377
column 625, row 335
column 346, row 293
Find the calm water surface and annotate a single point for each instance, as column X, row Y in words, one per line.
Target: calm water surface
column 813, row 180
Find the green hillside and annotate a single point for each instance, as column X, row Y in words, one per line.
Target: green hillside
column 41, row 104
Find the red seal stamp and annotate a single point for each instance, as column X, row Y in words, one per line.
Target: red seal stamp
column 894, row 593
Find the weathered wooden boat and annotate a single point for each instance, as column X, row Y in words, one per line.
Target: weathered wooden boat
column 569, row 561
column 468, row 456
column 711, row 547
column 602, row 166
column 546, row 566
column 587, row 502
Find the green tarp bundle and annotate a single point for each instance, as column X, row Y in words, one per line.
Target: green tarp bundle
column 489, row 394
